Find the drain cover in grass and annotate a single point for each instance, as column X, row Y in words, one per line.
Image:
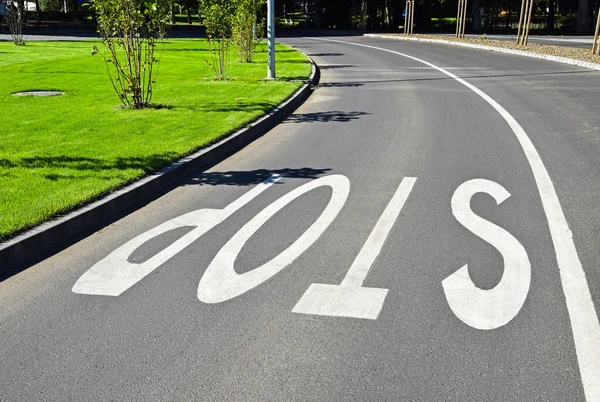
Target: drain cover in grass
column 38, row 93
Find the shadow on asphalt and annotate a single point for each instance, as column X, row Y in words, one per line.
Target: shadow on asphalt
column 335, row 66
column 325, row 117
column 252, row 177
column 325, row 54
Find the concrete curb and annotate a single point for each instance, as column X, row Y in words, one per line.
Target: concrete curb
column 558, row 59
column 57, row 234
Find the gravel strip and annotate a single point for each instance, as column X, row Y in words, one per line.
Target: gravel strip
column 562, row 54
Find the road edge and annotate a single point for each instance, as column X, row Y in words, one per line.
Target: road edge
column 54, row 235
column 533, row 55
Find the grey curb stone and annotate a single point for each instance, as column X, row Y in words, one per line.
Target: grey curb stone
column 558, row 59
column 56, row 234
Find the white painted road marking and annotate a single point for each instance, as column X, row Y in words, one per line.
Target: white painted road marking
column 584, row 321
column 350, row 299
column 114, row 274
column 493, row 308
column 220, row 282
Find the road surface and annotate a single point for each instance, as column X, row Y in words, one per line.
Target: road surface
column 326, row 261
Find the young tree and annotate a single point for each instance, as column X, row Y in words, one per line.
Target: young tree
column 218, row 19
column 15, row 23
column 245, row 21
column 130, row 30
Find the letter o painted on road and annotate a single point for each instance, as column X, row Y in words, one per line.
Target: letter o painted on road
column 220, row 282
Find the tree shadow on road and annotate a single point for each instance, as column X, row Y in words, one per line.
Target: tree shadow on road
column 340, row 84
column 326, row 54
column 252, row 177
column 325, row 117
column 336, row 66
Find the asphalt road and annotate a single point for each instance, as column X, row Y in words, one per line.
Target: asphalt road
column 74, row 34
column 395, row 175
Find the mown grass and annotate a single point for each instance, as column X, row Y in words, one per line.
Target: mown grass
column 59, row 152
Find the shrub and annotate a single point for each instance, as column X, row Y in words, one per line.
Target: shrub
column 218, row 19
column 244, row 25
column 130, row 30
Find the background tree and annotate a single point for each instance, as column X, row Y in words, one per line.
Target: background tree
column 15, row 18
column 583, row 17
column 130, row 30
column 191, row 7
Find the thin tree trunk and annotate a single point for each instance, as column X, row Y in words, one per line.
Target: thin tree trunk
column 189, row 14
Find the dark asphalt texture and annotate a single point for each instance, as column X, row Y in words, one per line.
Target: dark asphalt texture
column 376, row 118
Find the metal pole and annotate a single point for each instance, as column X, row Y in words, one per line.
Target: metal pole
column 595, row 46
column 271, row 39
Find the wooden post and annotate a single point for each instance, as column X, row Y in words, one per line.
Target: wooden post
column 521, row 21
column 409, row 18
column 458, row 18
column 595, row 46
column 525, row 21
column 528, row 22
column 464, row 18
column 412, row 16
column 461, row 19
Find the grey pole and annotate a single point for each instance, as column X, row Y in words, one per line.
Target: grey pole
column 271, row 38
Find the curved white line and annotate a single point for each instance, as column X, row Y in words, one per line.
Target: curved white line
column 584, row 321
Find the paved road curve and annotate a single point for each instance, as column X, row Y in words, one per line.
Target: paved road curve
column 323, row 262
column 571, row 41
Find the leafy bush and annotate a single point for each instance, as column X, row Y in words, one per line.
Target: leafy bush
column 244, row 25
column 219, row 21
column 130, row 30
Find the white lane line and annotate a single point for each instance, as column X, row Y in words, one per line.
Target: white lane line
column 584, row 321
column 350, row 299
column 114, row 274
column 488, row 308
column 372, row 247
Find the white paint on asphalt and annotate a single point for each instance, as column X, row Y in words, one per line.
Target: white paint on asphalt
column 114, row 274
column 584, row 321
column 493, row 308
column 350, row 299
column 220, row 282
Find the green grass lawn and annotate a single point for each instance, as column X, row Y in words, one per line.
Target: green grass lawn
column 59, row 152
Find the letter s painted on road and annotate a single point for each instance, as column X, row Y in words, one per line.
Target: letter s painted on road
column 493, row 308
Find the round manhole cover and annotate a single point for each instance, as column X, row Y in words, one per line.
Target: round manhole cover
column 38, row 93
